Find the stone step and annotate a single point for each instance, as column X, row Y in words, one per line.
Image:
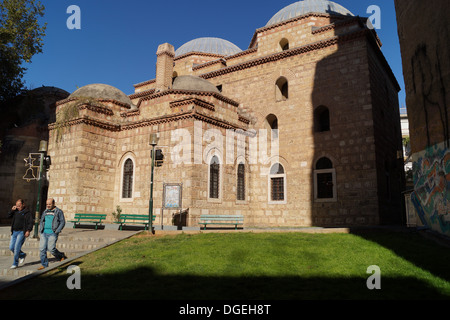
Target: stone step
column 72, row 242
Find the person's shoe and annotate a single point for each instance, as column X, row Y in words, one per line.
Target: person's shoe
column 41, row 267
column 13, row 267
column 64, row 257
column 22, row 260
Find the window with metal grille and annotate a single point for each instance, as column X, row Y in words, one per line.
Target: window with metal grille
column 127, row 183
column 214, row 171
column 241, row 182
column 277, row 189
column 277, row 177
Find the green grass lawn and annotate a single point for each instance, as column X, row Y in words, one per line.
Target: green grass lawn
column 241, row 265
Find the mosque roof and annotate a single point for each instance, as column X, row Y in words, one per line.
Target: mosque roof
column 208, row 45
column 306, row 6
column 101, row 91
column 193, row 83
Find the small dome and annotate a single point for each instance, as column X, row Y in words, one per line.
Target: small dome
column 193, row 83
column 101, row 91
column 306, row 6
column 208, row 45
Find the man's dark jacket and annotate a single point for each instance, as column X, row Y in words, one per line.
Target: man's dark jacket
column 28, row 219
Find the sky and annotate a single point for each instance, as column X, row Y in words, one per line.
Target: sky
column 117, row 40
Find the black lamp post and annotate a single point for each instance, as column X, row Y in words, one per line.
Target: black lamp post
column 153, row 142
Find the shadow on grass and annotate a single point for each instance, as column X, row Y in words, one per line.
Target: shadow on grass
column 145, row 283
column 413, row 246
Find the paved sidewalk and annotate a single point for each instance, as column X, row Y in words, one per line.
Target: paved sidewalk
column 74, row 242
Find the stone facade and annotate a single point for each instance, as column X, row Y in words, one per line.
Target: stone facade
column 309, row 110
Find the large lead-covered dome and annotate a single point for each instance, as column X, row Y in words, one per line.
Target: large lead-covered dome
column 208, row 45
column 306, row 6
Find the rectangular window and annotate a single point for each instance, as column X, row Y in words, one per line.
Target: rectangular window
column 214, row 181
column 127, row 182
column 325, row 185
column 277, row 189
column 241, row 182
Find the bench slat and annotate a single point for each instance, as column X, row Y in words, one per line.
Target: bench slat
column 221, row 219
column 88, row 217
column 134, row 218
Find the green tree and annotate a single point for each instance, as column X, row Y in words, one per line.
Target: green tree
column 21, row 37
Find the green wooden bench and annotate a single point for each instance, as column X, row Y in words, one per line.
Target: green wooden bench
column 221, row 219
column 134, row 219
column 88, row 218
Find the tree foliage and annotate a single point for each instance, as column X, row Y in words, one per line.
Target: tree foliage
column 21, row 37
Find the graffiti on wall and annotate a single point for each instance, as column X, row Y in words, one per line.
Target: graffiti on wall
column 429, row 87
column 431, row 196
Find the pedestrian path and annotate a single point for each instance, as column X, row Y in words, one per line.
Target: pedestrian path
column 74, row 242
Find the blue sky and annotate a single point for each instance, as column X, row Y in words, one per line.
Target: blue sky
column 117, row 42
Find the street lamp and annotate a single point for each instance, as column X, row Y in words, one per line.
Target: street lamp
column 153, row 142
column 42, row 151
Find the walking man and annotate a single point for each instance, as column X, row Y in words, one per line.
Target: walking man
column 52, row 222
column 21, row 226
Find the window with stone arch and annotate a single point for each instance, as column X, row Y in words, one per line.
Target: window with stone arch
column 281, row 89
column 324, row 181
column 277, row 184
column 240, row 185
column 127, row 179
column 214, row 178
column 284, row 44
column 272, row 125
column 321, row 119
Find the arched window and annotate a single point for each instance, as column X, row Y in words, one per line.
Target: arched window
column 282, row 89
column 272, row 125
column 214, row 182
column 240, row 182
column 324, row 180
column 321, row 119
column 284, row 44
column 277, row 183
column 127, row 179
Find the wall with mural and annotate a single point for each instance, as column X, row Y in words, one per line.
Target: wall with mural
column 431, row 196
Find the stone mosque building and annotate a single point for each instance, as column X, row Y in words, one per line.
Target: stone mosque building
column 302, row 128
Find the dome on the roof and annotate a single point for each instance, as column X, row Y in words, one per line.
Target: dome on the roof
column 193, row 83
column 306, row 6
column 101, row 91
column 208, row 45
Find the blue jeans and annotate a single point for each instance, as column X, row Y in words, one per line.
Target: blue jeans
column 15, row 245
column 48, row 242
